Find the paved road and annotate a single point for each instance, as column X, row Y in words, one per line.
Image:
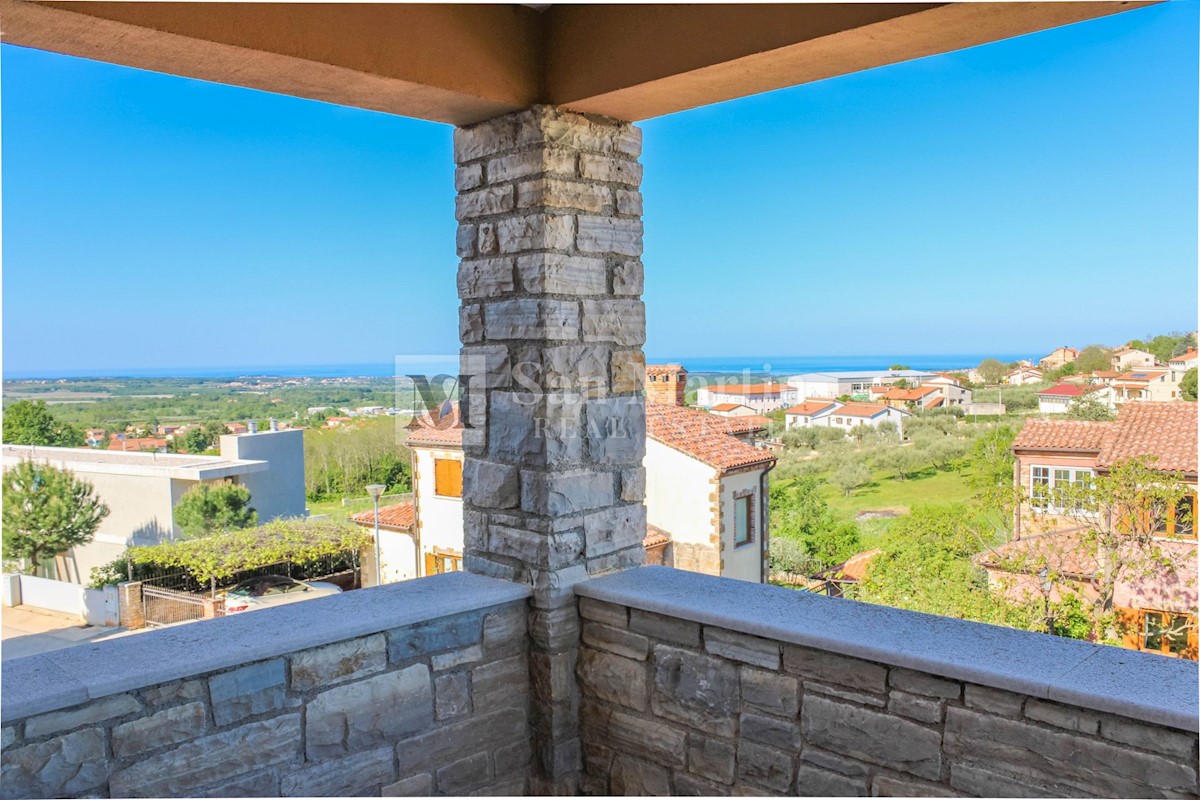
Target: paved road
column 26, row 631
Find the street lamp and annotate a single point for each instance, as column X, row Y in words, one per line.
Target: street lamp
column 376, row 491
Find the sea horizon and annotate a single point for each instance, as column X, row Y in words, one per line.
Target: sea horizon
column 758, row 366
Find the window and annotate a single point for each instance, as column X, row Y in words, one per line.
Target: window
column 743, row 520
column 447, row 477
column 1048, row 484
column 440, row 561
column 1181, row 520
column 1168, row 632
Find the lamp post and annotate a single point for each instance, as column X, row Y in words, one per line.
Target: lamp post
column 376, row 491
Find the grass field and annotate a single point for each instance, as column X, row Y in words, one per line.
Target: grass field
column 887, row 493
column 337, row 511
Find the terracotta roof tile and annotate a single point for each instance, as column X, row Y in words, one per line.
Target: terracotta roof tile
column 726, row 406
column 1067, row 390
column 749, row 388
column 1062, row 434
column 428, row 429
column 655, row 537
column 1062, row 552
column 703, row 436
column 809, row 408
column 1166, row 430
column 1190, row 355
column 867, row 410
column 400, row 515
column 660, row 369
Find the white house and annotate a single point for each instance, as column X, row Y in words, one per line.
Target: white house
column 141, row 490
column 1058, row 399
column 1023, row 375
column 732, row 410
column 758, row 396
column 831, row 385
column 1128, row 358
column 810, row 413
column 852, row 415
column 952, row 392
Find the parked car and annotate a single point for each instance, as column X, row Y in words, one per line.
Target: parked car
column 267, row 591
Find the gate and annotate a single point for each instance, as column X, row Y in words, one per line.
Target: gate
column 169, row 606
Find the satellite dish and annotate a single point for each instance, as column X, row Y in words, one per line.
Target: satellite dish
column 445, row 409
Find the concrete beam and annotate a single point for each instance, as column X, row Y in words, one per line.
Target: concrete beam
column 466, row 63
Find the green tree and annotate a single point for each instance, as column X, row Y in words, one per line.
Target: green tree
column 906, row 461
column 850, row 475
column 801, row 437
column 899, row 366
column 993, row 476
column 196, row 440
column 207, row 509
column 1162, row 347
column 801, row 513
column 1187, row 385
column 1092, row 358
column 991, row 370
column 47, row 511
column 1089, row 408
column 29, row 422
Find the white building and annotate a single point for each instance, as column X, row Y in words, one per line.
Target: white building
column 1058, row 399
column 1023, row 375
column 852, row 415
column 810, row 413
column 758, row 396
column 857, row 385
column 141, row 490
column 732, row 410
column 1129, row 358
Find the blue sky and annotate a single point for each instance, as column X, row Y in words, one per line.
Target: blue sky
column 1007, row 198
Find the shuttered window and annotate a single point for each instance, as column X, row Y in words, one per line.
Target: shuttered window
column 447, row 477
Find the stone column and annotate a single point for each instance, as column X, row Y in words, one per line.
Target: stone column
column 552, row 327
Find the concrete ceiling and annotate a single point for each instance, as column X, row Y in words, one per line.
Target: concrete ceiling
column 462, row 63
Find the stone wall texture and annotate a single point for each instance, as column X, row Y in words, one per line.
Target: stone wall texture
column 672, row 706
column 436, row 708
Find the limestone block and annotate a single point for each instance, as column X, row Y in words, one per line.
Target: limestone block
column 415, row 786
column 650, row 739
column 557, row 193
column 169, row 726
column 469, row 177
column 612, row 678
column 457, row 658
column 994, row 701
column 565, row 492
column 485, row 277
column 540, row 161
column 630, row 557
column 764, row 766
column 622, row 322
column 607, row 613
column 117, row 705
column 368, row 713
column 448, row 633
column 922, row 709
column 633, row 777
column 871, row 736
column 711, row 758
column 813, row 782
column 464, row 774
column 484, row 139
column 58, row 767
column 247, row 691
column 465, row 241
column 770, row 692
column 1060, row 716
column 923, row 683
column 532, row 319
column 556, row 587
column 629, row 202
column 609, row 170
column 491, row 485
column 842, row 693
column 9, row 737
column 553, row 550
column 537, row 232
column 174, row 692
column 696, row 690
column 779, row 733
column 535, row 433
column 628, row 371
column 555, row 273
column 212, row 759
column 504, row 631
column 618, row 641
column 841, row 670
column 1148, row 737
column 691, row 786
column 619, row 236
column 488, row 241
column 257, row 784
column 501, row 683
column 834, row 762
column 552, row 675
column 975, row 781
column 575, row 368
column 633, row 484
column 470, row 323
column 338, row 662
column 554, row 627
column 1090, row 765
column 353, row 776
column 664, row 628
column 613, row 529
column 485, row 730
column 628, row 277
column 888, row 786
column 740, row 647
column 489, row 200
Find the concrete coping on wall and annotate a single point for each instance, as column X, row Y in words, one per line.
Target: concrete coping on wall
column 1142, row 686
column 62, row 678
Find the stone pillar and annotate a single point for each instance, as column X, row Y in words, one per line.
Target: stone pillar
column 552, row 327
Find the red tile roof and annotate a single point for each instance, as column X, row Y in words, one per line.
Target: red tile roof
column 655, row 537
column 435, row 431
column 726, row 406
column 913, row 394
column 703, row 436
column 1166, row 430
column 808, row 408
column 1061, row 552
column 749, row 388
column 862, row 409
column 1062, row 434
column 1066, row 390
column 1190, row 355
column 661, row 369
column 399, row 516
column 852, row 569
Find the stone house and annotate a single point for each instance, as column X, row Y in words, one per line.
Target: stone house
column 1060, row 356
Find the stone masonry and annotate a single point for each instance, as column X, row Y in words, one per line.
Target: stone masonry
column 552, row 325
column 435, row 708
column 672, row 706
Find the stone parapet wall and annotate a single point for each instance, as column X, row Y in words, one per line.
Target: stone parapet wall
column 436, row 706
column 674, row 704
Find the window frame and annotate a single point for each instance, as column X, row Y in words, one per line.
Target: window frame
column 1188, row 648
column 437, row 478
column 746, row 496
column 1051, row 480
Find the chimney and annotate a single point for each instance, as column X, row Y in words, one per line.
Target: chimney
column 252, row 425
column 666, row 384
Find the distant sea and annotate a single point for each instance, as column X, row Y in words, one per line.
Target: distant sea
column 448, row 364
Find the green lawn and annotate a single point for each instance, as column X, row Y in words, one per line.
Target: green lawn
column 336, row 510
column 888, row 493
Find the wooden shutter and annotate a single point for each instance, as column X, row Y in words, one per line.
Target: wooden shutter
column 447, row 477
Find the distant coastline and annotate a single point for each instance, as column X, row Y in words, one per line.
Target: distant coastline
column 433, row 365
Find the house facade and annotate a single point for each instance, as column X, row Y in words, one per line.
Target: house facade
column 1128, row 358
column 1058, row 399
column 856, row 385
column 1060, row 356
column 760, row 397
column 852, row 415
column 141, row 489
column 1022, row 376
column 810, row 413
column 1158, row 610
